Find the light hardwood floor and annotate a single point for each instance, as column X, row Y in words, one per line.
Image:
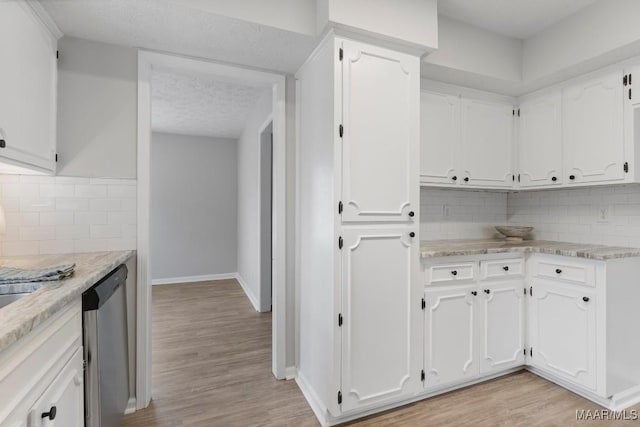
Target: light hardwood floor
column 212, row 367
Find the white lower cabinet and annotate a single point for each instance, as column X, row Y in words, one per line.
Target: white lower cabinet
column 41, row 376
column 380, row 318
column 473, row 330
column 62, row 404
column 502, row 326
column 451, row 335
column 563, row 331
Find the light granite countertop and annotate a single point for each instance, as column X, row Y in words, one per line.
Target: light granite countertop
column 21, row 317
column 440, row 248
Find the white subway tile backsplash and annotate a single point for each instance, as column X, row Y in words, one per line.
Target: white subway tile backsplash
column 56, row 247
column 34, row 179
column 37, row 233
column 121, row 191
column 9, row 179
column 17, row 248
column 72, row 180
column 121, row 244
column 129, row 231
column 565, row 215
column 105, row 231
column 53, row 215
column 121, row 218
column 73, row 205
column 73, row 232
column 36, row 204
column 91, row 191
column 11, row 190
column 572, row 215
column 106, row 205
column 11, row 204
column 460, row 214
column 56, row 218
column 25, row 219
column 91, row 245
column 128, row 205
column 90, row 218
column 57, row 190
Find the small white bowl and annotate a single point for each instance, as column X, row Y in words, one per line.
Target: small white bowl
column 514, row 233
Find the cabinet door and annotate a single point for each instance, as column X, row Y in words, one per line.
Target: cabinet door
column 486, row 148
column 593, row 130
column 65, row 396
column 381, row 317
column 28, row 79
column 381, row 139
column 631, row 85
column 502, row 326
column 439, row 137
column 540, row 141
column 450, row 336
column 563, row 331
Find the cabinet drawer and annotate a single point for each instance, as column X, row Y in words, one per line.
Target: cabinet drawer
column 451, row 273
column 574, row 272
column 501, row 268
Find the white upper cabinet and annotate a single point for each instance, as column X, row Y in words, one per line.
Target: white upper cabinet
column 465, row 142
column 631, row 84
column 486, row 145
column 540, row 141
column 593, row 130
column 28, row 82
column 380, row 118
column 439, row 136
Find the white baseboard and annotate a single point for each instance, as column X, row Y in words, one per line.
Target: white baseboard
column 319, row 410
column 618, row 402
column 191, row 279
column 131, row 406
column 247, row 290
column 290, row 373
column 205, row 278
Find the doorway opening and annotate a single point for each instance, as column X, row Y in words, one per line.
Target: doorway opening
column 266, row 202
column 261, row 271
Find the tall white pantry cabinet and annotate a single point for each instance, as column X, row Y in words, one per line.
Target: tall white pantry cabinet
column 360, row 295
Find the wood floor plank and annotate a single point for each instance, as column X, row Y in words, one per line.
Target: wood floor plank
column 212, row 367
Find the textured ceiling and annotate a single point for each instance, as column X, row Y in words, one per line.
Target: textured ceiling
column 173, row 27
column 197, row 105
column 514, row 18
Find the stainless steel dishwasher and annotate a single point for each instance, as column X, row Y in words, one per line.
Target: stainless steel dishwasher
column 104, row 325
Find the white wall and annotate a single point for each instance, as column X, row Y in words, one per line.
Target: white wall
column 249, row 198
column 411, row 21
column 604, row 32
column 571, row 215
column 472, row 50
column 54, row 215
column 193, row 207
column 97, row 109
column 472, row 214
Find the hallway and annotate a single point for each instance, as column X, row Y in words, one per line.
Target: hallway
column 212, row 363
